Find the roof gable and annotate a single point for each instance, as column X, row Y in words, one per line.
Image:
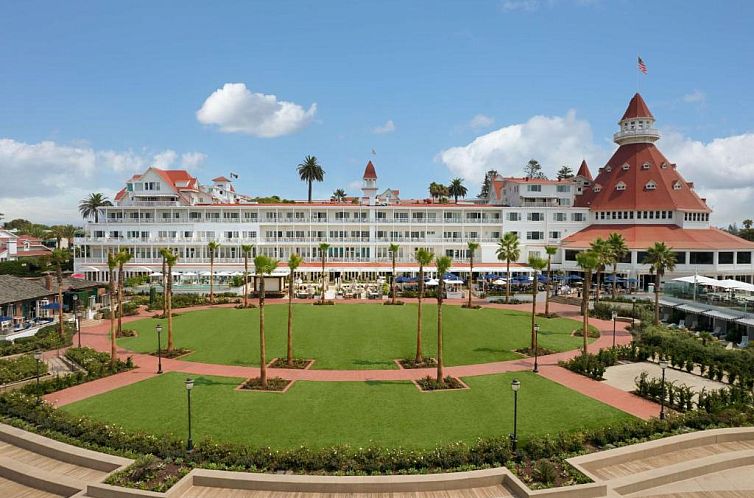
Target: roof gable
column 637, row 108
column 369, row 172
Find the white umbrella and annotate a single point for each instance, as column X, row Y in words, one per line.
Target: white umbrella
column 735, row 284
column 155, row 274
column 499, row 281
column 205, row 274
column 432, row 282
column 237, row 274
column 190, row 274
column 452, row 282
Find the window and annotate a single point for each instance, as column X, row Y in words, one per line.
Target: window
column 597, row 187
column 743, row 257
column 154, row 186
column 664, row 165
column 625, row 167
column 381, row 215
column 725, row 258
column 535, row 235
column 651, row 185
column 701, row 258
column 563, row 188
column 680, row 258
column 417, row 216
column 559, row 217
column 620, row 186
column 578, row 217
column 570, row 254
column 514, row 216
column 555, row 235
column 645, row 166
column 534, row 188
column 535, row 216
column 677, row 185
column 608, row 168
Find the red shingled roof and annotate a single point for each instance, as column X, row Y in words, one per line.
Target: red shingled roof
column 584, row 171
column 636, row 196
column 369, row 172
column 637, row 108
column 220, row 179
column 643, row 236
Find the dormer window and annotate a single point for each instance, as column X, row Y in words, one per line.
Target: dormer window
column 597, row 187
column 620, row 186
column 625, row 166
column 645, row 166
column 677, row 185
column 651, row 185
column 664, row 165
column 608, row 168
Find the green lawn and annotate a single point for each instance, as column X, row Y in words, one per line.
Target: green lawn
column 355, row 413
column 353, row 336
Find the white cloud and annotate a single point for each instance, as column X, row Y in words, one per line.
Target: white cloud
column 695, row 97
column 44, row 181
column 481, row 121
column 388, row 127
column 552, row 140
column 525, row 5
column 192, row 160
column 235, row 109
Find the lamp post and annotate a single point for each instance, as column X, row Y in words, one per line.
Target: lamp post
column 663, row 366
column 189, row 387
column 615, row 319
column 76, row 317
column 515, row 386
column 536, row 348
column 38, row 358
column 633, row 312
column 158, row 328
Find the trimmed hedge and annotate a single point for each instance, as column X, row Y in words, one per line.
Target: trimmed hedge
column 46, row 339
column 21, row 368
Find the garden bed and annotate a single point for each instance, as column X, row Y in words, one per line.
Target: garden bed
column 274, row 385
column 149, row 473
column 297, row 363
column 430, row 384
column 174, row 354
column 411, row 363
column 397, row 303
column 530, row 352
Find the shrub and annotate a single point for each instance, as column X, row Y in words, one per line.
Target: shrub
column 46, row 339
column 586, row 364
column 20, row 368
column 130, row 308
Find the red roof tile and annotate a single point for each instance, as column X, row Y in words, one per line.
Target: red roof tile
column 665, row 196
column 637, row 108
column 220, row 179
column 644, row 236
column 584, row 171
column 369, row 172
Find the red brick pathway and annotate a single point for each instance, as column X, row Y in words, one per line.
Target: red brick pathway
column 97, row 336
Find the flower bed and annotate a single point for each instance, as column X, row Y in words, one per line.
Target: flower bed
column 410, row 363
column 274, row 384
column 175, row 353
column 448, row 383
column 21, row 368
column 296, row 363
column 150, row 473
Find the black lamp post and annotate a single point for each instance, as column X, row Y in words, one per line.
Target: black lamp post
column 158, row 328
column 189, row 387
column 615, row 319
column 38, row 358
column 536, row 348
column 633, row 312
column 515, row 386
column 663, row 365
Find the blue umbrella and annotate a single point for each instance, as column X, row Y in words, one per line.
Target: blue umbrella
column 402, row 280
column 451, row 276
column 51, row 306
column 573, row 278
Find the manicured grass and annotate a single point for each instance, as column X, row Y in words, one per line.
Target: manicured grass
column 356, row 413
column 353, row 336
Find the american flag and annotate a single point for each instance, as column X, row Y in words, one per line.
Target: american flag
column 642, row 66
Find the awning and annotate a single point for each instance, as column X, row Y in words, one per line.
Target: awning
column 665, row 302
column 722, row 315
column 691, row 308
column 746, row 321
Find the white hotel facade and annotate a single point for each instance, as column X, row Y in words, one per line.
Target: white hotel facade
column 637, row 193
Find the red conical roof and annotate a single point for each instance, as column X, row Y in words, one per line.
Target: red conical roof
column 637, row 108
column 584, row 171
column 369, row 172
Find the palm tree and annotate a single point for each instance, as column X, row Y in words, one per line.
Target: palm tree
column 618, row 250
column 423, row 257
column 660, row 259
column 508, row 250
column 170, row 259
column 112, row 263
column 294, row 261
column 538, row 265
column 89, row 206
column 587, row 261
column 246, row 250
column 443, row 265
column 263, row 265
column 339, row 195
column 551, row 251
column 437, row 190
column 57, row 232
column 456, row 189
column 69, row 233
column 393, row 249
column 310, row 171
column 603, row 251
column 59, row 258
column 123, row 257
column 212, row 247
column 323, row 248
column 473, row 246
column 162, row 253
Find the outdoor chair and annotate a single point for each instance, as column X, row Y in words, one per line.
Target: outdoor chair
column 717, row 331
column 744, row 342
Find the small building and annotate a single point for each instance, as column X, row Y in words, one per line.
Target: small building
column 23, row 301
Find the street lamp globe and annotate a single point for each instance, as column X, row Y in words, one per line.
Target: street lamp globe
column 189, row 384
column 664, row 364
column 38, row 355
column 515, row 385
column 158, row 328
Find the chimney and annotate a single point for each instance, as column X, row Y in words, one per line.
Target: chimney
column 48, row 282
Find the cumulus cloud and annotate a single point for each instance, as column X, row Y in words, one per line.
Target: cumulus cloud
column 236, row 109
column 695, row 97
column 481, row 121
column 388, row 127
column 722, row 170
column 45, row 180
column 552, row 140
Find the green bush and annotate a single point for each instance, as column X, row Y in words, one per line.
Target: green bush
column 130, row 308
column 96, row 363
column 46, row 339
column 20, row 368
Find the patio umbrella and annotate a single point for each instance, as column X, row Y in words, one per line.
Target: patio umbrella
column 190, row 274
column 402, row 280
column 78, row 275
column 155, row 274
column 205, row 274
column 432, row 282
column 51, row 306
column 573, row 278
column 499, row 281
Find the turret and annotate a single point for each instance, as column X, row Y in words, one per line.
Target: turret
column 637, row 124
column 369, row 183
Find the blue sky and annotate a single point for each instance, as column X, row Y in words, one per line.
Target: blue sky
column 92, row 91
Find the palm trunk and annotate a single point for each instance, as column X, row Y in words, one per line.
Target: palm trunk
column 586, row 309
column 120, row 300
column 393, row 282
column 548, row 286
column 246, row 281
column 440, row 374
column 310, row 191
column 212, row 278
column 471, row 276
column 61, row 328
column 419, row 317
column 164, row 288
column 113, row 352
column 657, row 300
column 262, row 342
column 322, row 297
column 533, row 312
column 615, row 280
column 508, row 283
column 597, row 291
column 170, row 308
column 290, row 320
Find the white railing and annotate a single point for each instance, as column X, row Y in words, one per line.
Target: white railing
column 644, row 132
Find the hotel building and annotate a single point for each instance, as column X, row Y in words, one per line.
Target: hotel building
column 638, row 193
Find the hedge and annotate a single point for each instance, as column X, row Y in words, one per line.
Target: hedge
column 20, row 368
column 46, row 339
